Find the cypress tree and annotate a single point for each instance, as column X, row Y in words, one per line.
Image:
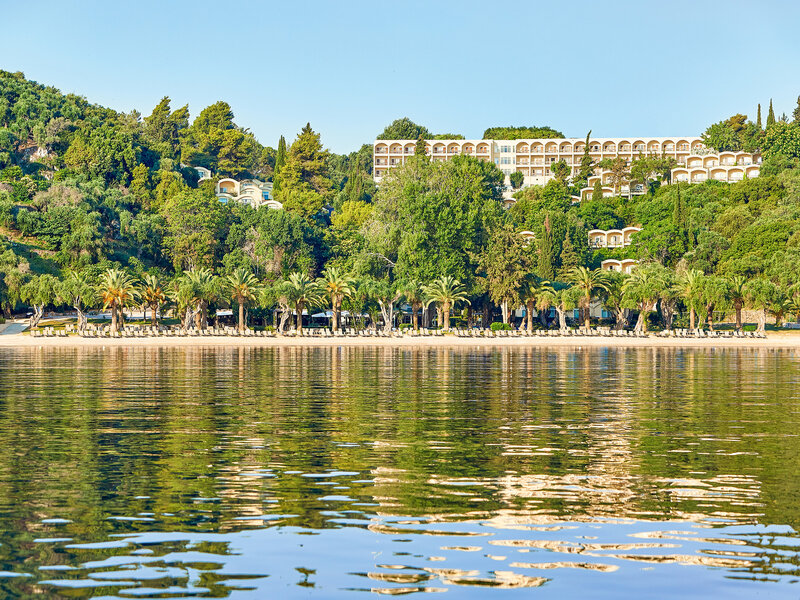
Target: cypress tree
column 545, row 263
column 678, row 216
column 597, row 191
column 587, row 165
column 280, row 160
column 569, row 256
column 770, row 115
column 419, row 149
column 758, row 116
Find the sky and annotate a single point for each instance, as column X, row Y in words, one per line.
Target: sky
column 618, row 68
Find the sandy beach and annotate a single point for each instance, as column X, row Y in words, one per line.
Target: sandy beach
column 773, row 340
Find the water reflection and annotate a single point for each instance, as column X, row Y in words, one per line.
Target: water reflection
column 216, row 472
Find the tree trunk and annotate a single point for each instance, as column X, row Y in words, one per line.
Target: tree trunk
column 299, row 317
column 241, row 316
column 153, row 311
column 738, row 306
column 762, row 320
column 710, row 316
column 504, row 310
column 446, row 315
column 113, row 318
column 486, row 314
column 529, row 314
column 543, row 316
column 415, row 315
column 692, row 318
column 587, row 315
column 621, row 317
column 562, row 318
column 38, row 313
column 336, row 309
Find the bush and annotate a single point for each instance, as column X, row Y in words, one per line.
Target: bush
column 404, row 326
column 500, row 327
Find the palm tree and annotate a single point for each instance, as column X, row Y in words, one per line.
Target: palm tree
column 690, row 288
column 152, row 295
column 302, row 291
column 117, row 289
column 781, row 305
column 588, row 282
column 446, row 292
column 642, row 290
column 531, row 287
column 336, row 286
column 794, row 307
column 205, row 289
column 614, row 298
column 412, row 292
column 545, row 298
column 737, row 288
column 242, row 286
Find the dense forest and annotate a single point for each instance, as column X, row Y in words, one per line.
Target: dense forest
column 103, row 209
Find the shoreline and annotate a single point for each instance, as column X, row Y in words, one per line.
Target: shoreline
column 773, row 340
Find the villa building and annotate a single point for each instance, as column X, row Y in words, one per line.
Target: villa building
column 625, row 265
column 611, row 238
column 249, row 191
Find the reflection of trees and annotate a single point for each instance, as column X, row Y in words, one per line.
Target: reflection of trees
column 515, row 435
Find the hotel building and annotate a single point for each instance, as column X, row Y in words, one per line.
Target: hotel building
column 532, row 158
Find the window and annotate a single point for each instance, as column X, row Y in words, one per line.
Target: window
column 505, row 160
column 505, row 148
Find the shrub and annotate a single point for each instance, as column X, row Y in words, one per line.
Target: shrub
column 500, row 327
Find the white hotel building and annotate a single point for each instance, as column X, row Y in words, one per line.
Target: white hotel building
column 533, row 157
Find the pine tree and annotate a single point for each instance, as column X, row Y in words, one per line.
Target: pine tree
column 597, row 191
column 569, row 257
column 796, row 112
column 545, row 262
column 758, row 116
column 770, row 115
column 280, row 160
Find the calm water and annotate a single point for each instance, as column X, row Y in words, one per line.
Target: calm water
column 335, row 472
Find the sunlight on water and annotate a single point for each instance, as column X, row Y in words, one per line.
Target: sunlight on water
column 327, row 472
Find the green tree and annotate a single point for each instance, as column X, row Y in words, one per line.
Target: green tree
column 758, row 117
column 302, row 292
column 770, row 115
column 446, row 291
column 796, row 113
column 419, row 148
column 642, row 290
column 737, row 286
column 546, row 253
column 505, row 263
column 152, row 295
column 586, row 168
column 597, row 192
column 304, row 182
column 38, row 292
column 560, row 170
column 336, row 286
column 517, row 178
column 77, row 291
column 280, row 161
column 242, row 287
column 618, row 170
column 117, row 289
column 588, row 282
column 761, row 293
column 404, row 129
column 195, row 221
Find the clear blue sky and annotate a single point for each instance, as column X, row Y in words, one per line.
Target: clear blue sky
column 618, row 68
